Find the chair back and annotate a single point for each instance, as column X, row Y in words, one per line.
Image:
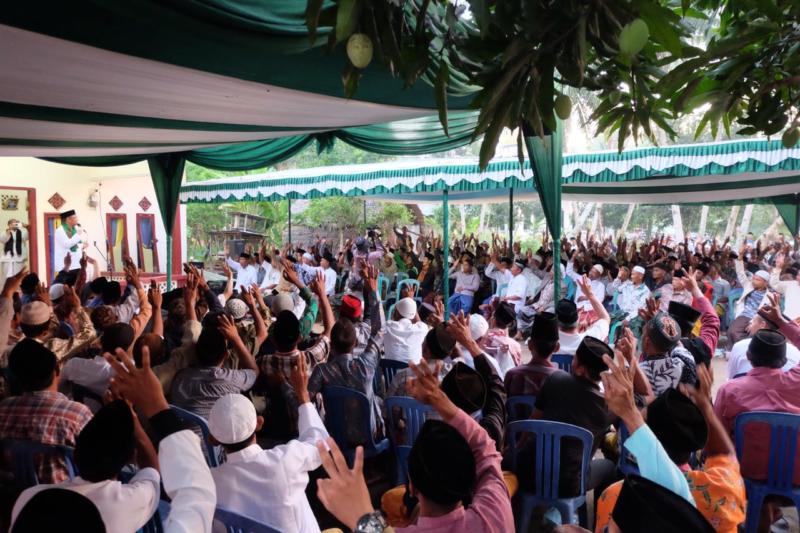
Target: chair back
column 408, row 282
column 348, row 415
column 236, row 523
column 564, row 361
column 398, row 277
column 733, row 297
column 389, row 368
column 384, row 286
column 783, row 429
column 413, row 414
column 520, row 407
column 549, row 437
column 200, row 423
column 22, row 457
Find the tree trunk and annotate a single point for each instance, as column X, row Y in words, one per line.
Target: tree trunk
column 703, row 220
column 567, row 222
column 731, row 222
column 745, row 227
column 625, row 223
column 416, row 212
column 677, row 222
column 462, row 210
column 582, row 217
column 482, row 217
column 595, row 218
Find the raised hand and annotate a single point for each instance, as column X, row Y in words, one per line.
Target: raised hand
column 42, row 294
column 344, row 493
column 247, row 297
column 701, row 393
column 227, row 327
column 585, row 285
column 458, row 327
column 772, row 310
column 618, row 386
column 71, row 299
column 12, row 283
column 424, row 387
column 318, row 284
column 298, row 379
column 290, row 275
column 154, row 295
column 140, row 386
column 649, row 310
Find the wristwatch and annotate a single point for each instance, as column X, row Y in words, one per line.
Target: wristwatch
column 371, row 523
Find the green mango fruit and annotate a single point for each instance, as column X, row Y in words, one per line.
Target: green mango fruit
column 359, row 50
column 633, row 37
column 790, row 137
column 562, row 106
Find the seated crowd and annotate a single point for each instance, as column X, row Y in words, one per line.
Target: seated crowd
column 135, row 406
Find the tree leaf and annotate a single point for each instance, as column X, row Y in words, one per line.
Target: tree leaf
column 442, row 80
column 313, row 9
column 347, row 18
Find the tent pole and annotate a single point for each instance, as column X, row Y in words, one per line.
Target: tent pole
column 290, row 218
column 446, row 246
column 169, row 261
column 511, row 222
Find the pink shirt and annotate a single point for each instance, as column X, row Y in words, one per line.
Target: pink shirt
column 490, row 509
column 709, row 324
column 761, row 389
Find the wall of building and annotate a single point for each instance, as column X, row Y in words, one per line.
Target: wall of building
column 75, row 185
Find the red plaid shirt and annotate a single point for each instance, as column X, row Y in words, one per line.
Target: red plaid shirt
column 47, row 417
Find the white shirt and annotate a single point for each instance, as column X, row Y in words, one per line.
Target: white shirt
column 597, row 286
column 269, row 485
column 501, row 278
column 188, row 483
column 518, row 287
column 569, row 342
column 632, row 298
column 330, row 280
column 272, row 276
column 94, row 374
column 534, row 282
column 739, row 364
column 62, row 245
column 402, row 340
column 790, row 289
column 124, row 507
column 245, row 276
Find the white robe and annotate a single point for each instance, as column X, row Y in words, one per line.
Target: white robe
column 61, row 247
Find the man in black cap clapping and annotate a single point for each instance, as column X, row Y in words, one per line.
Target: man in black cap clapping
column 543, row 342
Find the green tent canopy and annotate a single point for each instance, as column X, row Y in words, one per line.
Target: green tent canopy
column 697, row 173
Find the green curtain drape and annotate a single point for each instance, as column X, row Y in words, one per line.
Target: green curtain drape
column 546, row 161
column 166, row 171
column 789, row 209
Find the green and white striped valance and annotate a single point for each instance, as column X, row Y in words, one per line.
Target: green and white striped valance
column 674, row 174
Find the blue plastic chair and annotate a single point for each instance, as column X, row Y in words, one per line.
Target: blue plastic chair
column 384, row 285
column 22, row 456
column 236, row 523
column 409, row 282
column 549, row 436
column 612, row 332
column 341, row 404
column 194, row 420
column 783, row 428
column 389, row 368
column 520, row 407
column 733, row 297
column 413, row 414
column 398, row 277
column 564, row 361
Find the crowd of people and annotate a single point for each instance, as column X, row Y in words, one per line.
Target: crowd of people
column 103, row 371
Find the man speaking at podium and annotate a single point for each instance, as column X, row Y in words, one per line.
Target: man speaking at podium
column 70, row 239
